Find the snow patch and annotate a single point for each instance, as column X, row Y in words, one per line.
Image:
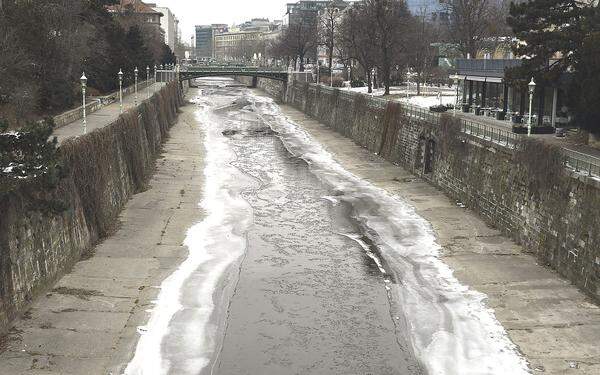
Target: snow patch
column 213, row 245
column 452, row 329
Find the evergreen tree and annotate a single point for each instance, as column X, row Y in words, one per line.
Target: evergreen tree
column 549, row 33
column 559, row 38
column 29, row 154
column 585, row 88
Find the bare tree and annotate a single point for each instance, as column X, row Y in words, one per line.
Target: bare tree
column 355, row 37
column 329, row 19
column 420, row 55
column 469, row 24
column 391, row 21
column 299, row 39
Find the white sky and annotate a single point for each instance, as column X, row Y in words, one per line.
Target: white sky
column 200, row 12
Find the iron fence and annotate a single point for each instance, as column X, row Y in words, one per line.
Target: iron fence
column 577, row 161
column 582, row 163
column 490, row 133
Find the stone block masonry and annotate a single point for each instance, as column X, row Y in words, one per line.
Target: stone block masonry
column 271, row 87
column 44, row 230
column 522, row 189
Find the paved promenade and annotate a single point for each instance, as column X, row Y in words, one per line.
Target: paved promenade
column 104, row 115
column 88, row 323
column 555, row 326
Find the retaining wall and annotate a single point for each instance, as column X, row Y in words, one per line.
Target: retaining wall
column 94, row 104
column 274, row 88
column 521, row 188
column 45, row 229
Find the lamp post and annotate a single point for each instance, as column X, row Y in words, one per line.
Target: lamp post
column 155, row 67
column 331, row 74
column 318, row 72
column 83, row 87
column 135, row 73
column 531, row 86
column 120, row 74
column 407, row 85
column 455, row 78
column 147, row 82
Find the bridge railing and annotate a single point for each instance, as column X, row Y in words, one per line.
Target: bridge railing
column 229, row 69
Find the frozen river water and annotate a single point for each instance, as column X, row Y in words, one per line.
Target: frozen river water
column 301, row 268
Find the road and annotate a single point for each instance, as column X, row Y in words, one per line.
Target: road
column 299, row 267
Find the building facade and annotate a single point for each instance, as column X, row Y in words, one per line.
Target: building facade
column 170, row 26
column 332, row 12
column 246, row 42
column 486, row 92
column 140, row 11
column 433, row 10
column 204, row 46
column 240, row 46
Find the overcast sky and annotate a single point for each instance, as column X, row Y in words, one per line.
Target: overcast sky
column 201, row 12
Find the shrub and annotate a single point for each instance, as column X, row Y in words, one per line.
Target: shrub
column 28, row 154
column 357, row 83
column 337, row 81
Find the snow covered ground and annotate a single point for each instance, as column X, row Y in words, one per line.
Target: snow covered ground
column 429, row 95
column 428, row 101
column 401, row 90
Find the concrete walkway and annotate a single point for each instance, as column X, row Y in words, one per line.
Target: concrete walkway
column 88, row 323
column 105, row 115
column 555, row 326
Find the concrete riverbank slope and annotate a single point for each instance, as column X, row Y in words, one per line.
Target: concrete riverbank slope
column 44, row 230
column 521, row 188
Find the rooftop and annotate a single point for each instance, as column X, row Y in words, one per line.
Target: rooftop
column 135, row 6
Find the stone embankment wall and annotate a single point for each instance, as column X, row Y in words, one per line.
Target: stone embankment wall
column 45, row 230
column 94, row 104
column 272, row 87
column 520, row 187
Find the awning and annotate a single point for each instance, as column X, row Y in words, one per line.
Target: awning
column 480, row 79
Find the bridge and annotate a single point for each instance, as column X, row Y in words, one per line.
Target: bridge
column 191, row 72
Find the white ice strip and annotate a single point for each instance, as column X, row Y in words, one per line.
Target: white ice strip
column 452, row 330
column 367, row 250
column 213, row 245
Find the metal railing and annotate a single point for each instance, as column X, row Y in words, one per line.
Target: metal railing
column 577, row 161
column 421, row 113
column 227, row 69
column 489, row 133
column 582, row 163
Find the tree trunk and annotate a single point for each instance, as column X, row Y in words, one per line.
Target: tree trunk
column 386, row 77
column 375, row 79
column 369, row 82
column 301, row 62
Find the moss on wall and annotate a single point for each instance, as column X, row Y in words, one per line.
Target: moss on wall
column 524, row 191
column 102, row 170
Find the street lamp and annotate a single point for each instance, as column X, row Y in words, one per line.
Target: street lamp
column 147, row 82
column 407, row 85
column 455, row 78
column 135, row 73
column 155, row 67
column 83, row 87
column 318, row 72
column 120, row 74
column 531, row 86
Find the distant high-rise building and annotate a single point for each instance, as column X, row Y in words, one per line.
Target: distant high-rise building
column 433, row 10
column 205, row 39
